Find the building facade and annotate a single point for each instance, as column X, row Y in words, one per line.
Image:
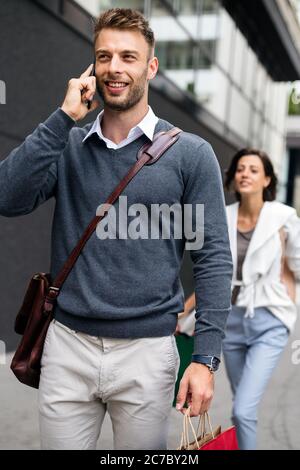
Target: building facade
column 203, row 51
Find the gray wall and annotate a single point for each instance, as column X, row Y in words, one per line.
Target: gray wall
column 39, row 53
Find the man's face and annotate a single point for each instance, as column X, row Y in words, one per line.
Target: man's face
column 123, row 68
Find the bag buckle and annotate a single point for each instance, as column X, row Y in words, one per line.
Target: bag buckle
column 50, row 299
column 54, row 289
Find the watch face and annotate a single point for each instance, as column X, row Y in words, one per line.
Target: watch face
column 216, row 363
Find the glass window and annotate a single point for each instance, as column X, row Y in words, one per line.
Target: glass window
column 187, row 7
column 96, row 7
column 134, row 4
column 194, row 7
column 210, row 6
column 183, row 55
column 206, row 54
column 175, row 55
column 159, row 9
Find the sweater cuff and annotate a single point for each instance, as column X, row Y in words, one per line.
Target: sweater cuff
column 60, row 123
column 207, row 344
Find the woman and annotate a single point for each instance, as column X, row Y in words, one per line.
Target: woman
column 265, row 245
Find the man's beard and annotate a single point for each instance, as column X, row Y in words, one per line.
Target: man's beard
column 134, row 95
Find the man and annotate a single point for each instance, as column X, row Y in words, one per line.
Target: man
column 111, row 346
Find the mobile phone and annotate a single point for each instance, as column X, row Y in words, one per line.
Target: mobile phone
column 92, row 74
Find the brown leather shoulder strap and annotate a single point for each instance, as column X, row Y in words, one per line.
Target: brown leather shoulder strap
column 148, row 154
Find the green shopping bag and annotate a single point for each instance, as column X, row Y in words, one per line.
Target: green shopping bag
column 185, row 346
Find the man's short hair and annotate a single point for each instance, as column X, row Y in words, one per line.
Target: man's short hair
column 127, row 19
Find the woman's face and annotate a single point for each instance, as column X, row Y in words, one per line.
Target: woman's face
column 250, row 176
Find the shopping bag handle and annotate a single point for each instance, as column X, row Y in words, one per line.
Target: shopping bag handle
column 201, row 425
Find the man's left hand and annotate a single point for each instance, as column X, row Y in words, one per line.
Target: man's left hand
column 196, row 389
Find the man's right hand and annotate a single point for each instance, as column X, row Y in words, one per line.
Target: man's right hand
column 79, row 91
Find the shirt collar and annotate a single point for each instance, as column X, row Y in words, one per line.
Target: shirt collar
column 145, row 126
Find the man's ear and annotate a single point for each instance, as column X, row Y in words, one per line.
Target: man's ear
column 153, row 68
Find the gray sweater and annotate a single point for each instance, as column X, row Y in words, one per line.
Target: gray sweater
column 124, row 288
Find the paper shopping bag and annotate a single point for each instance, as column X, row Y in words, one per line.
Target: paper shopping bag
column 206, row 440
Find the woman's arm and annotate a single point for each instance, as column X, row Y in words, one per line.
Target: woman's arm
column 189, row 305
column 290, row 267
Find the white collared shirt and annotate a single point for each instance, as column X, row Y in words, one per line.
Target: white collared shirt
column 146, row 126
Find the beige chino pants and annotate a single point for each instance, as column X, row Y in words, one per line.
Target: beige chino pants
column 84, row 376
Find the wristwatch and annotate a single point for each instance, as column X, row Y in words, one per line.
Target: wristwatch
column 212, row 362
